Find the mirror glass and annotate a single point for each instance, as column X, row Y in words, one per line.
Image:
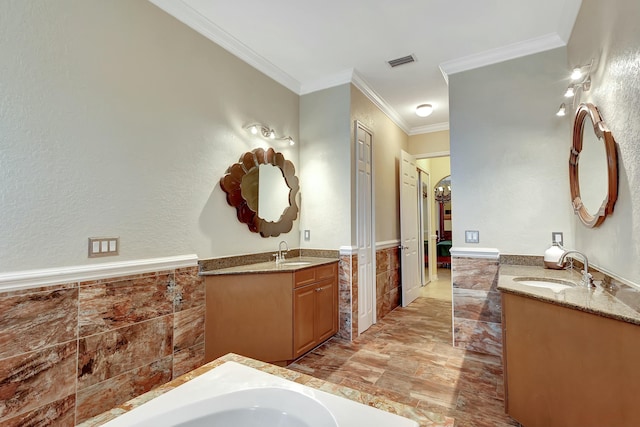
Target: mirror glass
column 593, row 167
column 262, row 187
column 266, row 192
column 592, row 173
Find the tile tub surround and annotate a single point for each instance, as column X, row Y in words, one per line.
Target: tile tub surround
column 70, row 351
column 426, row 419
column 477, row 313
column 615, row 300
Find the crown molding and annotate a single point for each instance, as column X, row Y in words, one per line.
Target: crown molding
column 364, row 87
column 52, row 276
column 436, row 127
column 568, row 18
column 334, row 80
column 494, row 56
column 432, row 155
column 198, row 22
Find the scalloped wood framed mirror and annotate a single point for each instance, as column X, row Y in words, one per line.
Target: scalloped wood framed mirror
column 593, row 167
column 262, row 187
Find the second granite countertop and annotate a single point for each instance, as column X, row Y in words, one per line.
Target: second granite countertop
column 617, row 302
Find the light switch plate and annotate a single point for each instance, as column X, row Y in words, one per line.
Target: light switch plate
column 103, row 246
column 307, row 235
column 471, row 236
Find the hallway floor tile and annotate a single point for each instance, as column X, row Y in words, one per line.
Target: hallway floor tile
column 408, row 357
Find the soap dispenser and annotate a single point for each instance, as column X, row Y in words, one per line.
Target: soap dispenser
column 552, row 256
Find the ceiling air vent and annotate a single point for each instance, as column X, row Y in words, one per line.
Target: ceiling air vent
column 401, row 61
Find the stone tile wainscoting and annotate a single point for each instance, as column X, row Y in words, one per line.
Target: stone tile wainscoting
column 387, row 280
column 477, row 310
column 387, row 287
column 69, row 351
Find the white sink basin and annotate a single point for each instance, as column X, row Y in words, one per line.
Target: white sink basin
column 258, row 407
column 296, row 263
column 556, row 285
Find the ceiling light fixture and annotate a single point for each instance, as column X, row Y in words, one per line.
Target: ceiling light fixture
column 562, row 110
column 424, row 110
column 267, row 133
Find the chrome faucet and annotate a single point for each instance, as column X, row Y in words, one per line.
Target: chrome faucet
column 280, row 255
column 587, row 279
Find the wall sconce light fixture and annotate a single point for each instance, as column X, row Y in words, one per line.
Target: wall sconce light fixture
column 581, row 78
column 267, row 133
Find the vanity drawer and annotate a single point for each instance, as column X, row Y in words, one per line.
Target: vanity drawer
column 314, row 274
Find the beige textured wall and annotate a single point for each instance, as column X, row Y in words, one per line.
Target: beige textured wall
column 607, row 32
column 509, row 154
column 118, row 120
column 429, row 143
column 388, row 140
column 326, row 168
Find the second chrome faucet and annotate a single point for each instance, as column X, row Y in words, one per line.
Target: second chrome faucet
column 587, row 279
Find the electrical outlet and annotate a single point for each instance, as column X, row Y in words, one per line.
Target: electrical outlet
column 103, row 246
column 471, row 236
column 556, row 237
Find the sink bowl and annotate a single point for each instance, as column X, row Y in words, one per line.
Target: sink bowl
column 556, row 285
column 296, row 263
column 265, row 406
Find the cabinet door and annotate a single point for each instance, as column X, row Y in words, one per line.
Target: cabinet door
column 303, row 319
column 326, row 309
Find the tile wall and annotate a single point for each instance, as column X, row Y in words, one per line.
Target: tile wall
column 348, row 296
column 477, row 309
column 387, row 281
column 387, row 289
column 71, row 351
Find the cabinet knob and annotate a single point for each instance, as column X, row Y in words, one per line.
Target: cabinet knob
column 318, row 289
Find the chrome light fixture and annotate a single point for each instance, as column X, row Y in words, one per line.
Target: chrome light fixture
column 581, row 76
column 424, row 110
column 267, row 133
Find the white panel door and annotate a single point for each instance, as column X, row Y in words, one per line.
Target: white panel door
column 409, row 228
column 365, row 230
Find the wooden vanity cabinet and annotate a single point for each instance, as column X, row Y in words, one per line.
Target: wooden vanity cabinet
column 275, row 317
column 315, row 315
column 565, row 368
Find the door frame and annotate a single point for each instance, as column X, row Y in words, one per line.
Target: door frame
column 421, row 207
column 432, row 247
column 372, row 229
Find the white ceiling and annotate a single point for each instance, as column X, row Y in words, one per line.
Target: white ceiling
column 308, row 46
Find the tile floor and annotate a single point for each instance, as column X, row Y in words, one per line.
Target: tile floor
column 408, row 357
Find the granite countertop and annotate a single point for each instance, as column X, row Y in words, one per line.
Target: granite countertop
column 289, row 265
column 424, row 418
column 619, row 302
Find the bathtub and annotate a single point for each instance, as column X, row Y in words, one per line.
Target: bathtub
column 236, row 395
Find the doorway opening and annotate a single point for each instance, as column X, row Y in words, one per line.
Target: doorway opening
column 437, row 234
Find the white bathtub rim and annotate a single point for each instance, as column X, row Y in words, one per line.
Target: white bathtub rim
column 232, row 376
